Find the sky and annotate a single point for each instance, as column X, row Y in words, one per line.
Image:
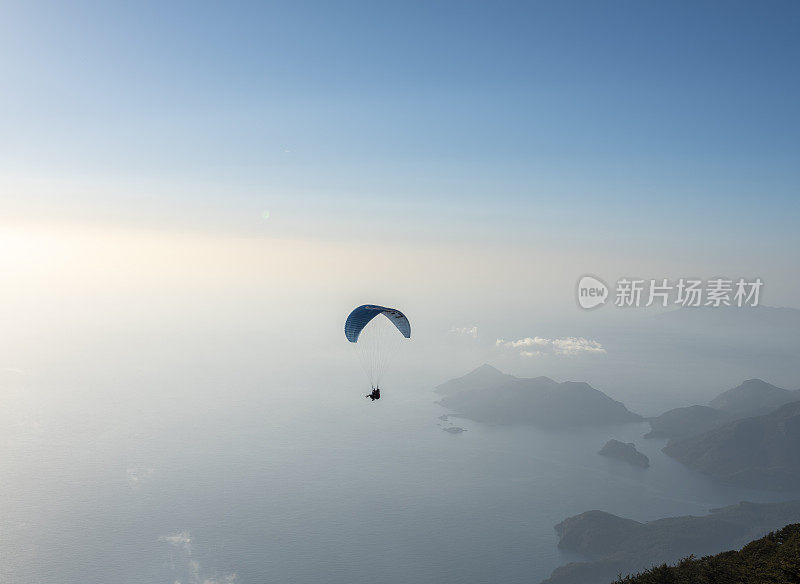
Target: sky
column 173, row 164
column 653, row 118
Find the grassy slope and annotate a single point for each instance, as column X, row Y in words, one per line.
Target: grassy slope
column 773, row 559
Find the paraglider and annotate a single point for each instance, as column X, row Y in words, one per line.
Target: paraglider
column 376, row 332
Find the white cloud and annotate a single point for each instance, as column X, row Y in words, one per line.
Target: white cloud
column 575, row 345
column 470, row 331
column 539, row 346
column 189, row 565
column 526, row 342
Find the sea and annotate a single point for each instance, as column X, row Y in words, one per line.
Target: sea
column 307, row 484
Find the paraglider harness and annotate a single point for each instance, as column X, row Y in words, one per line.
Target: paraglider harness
column 376, row 394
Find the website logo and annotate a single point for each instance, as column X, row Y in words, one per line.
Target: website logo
column 592, row 292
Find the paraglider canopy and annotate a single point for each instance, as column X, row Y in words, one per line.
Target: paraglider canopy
column 361, row 316
column 376, row 339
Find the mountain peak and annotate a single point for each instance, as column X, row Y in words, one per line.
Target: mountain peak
column 480, row 377
column 753, row 397
column 755, row 382
column 485, row 368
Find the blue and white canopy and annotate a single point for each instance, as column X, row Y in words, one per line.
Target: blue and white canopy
column 362, row 315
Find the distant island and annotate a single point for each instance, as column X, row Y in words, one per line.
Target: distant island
column 753, row 397
column 748, row 436
column 773, row 558
column 614, row 545
column 624, row 451
column 490, row 396
column 758, row 452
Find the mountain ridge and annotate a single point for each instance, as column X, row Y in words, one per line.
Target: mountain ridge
column 758, row 451
column 490, row 396
column 753, row 397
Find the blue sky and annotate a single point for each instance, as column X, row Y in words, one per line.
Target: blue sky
column 464, row 120
column 482, row 156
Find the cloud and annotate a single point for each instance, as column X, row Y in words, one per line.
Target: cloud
column 540, row 346
column 470, row 331
column 526, row 342
column 189, row 566
column 575, row 345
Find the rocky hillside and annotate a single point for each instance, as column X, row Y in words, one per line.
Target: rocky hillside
column 774, row 558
